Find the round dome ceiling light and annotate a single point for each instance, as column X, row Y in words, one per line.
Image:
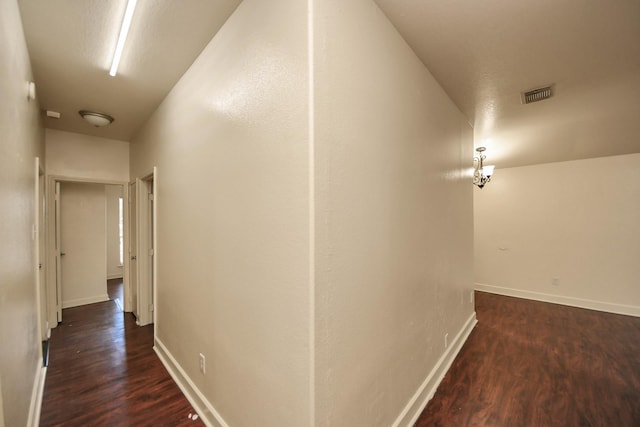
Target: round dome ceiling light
column 96, row 119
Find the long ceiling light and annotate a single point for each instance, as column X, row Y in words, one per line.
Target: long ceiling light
column 122, row 38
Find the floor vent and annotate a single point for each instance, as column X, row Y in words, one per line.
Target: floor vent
column 535, row 95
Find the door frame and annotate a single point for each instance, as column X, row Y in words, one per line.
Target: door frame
column 39, row 229
column 132, row 253
column 146, row 246
column 54, row 304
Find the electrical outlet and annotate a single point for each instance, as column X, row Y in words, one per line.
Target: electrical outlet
column 471, row 297
column 555, row 281
column 446, row 340
column 202, row 364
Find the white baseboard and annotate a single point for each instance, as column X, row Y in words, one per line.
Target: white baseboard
column 427, row 389
column 114, row 276
column 85, row 301
column 629, row 310
column 36, row 396
column 203, row 407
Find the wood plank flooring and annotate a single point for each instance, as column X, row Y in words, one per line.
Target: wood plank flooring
column 115, row 290
column 104, row 372
column 530, row 363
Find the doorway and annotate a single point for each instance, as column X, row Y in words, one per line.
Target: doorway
column 142, row 247
column 77, row 246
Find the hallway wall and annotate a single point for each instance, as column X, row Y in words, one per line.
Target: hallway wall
column 393, row 218
column 74, row 155
column 320, row 266
column 230, row 142
column 22, row 140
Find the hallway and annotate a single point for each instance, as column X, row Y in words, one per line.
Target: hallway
column 103, row 372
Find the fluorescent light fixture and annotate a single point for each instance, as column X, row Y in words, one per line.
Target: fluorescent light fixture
column 122, row 38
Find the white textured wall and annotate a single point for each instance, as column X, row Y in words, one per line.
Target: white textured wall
column 81, row 156
column 113, row 193
column 576, row 221
column 21, row 140
column 394, row 266
column 231, row 145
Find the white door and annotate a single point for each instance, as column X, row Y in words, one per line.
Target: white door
column 146, row 252
column 58, row 252
column 133, row 249
column 83, row 244
column 41, row 290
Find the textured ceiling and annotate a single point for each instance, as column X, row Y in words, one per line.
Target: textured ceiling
column 71, row 44
column 484, row 53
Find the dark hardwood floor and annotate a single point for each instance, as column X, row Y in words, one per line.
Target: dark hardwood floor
column 530, row 363
column 115, row 290
column 526, row 363
column 103, row 372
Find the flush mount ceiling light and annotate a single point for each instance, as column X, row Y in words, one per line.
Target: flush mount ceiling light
column 122, row 38
column 96, row 119
column 481, row 173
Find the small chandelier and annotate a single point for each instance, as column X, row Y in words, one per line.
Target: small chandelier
column 481, row 173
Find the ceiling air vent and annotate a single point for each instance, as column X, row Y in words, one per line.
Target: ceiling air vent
column 535, row 95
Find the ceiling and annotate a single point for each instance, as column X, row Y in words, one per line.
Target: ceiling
column 483, row 53
column 71, row 44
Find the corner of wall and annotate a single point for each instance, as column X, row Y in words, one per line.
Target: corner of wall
column 36, row 397
column 608, row 307
column 428, row 388
column 203, row 407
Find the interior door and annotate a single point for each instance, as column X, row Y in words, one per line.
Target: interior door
column 145, row 248
column 58, row 253
column 83, row 243
column 133, row 248
column 40, row 252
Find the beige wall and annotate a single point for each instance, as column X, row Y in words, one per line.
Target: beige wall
column 251, row 201
column 574, row 221
column 231, row 146
column 21, row 141
column 113, row 194
column 394, row 266
column 81, row 156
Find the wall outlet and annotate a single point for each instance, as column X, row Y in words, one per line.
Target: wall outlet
column 203, row 364
column 446, row 340
column 471, row 297
column 555, row 281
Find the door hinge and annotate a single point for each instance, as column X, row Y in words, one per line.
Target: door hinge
column 151, row 196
